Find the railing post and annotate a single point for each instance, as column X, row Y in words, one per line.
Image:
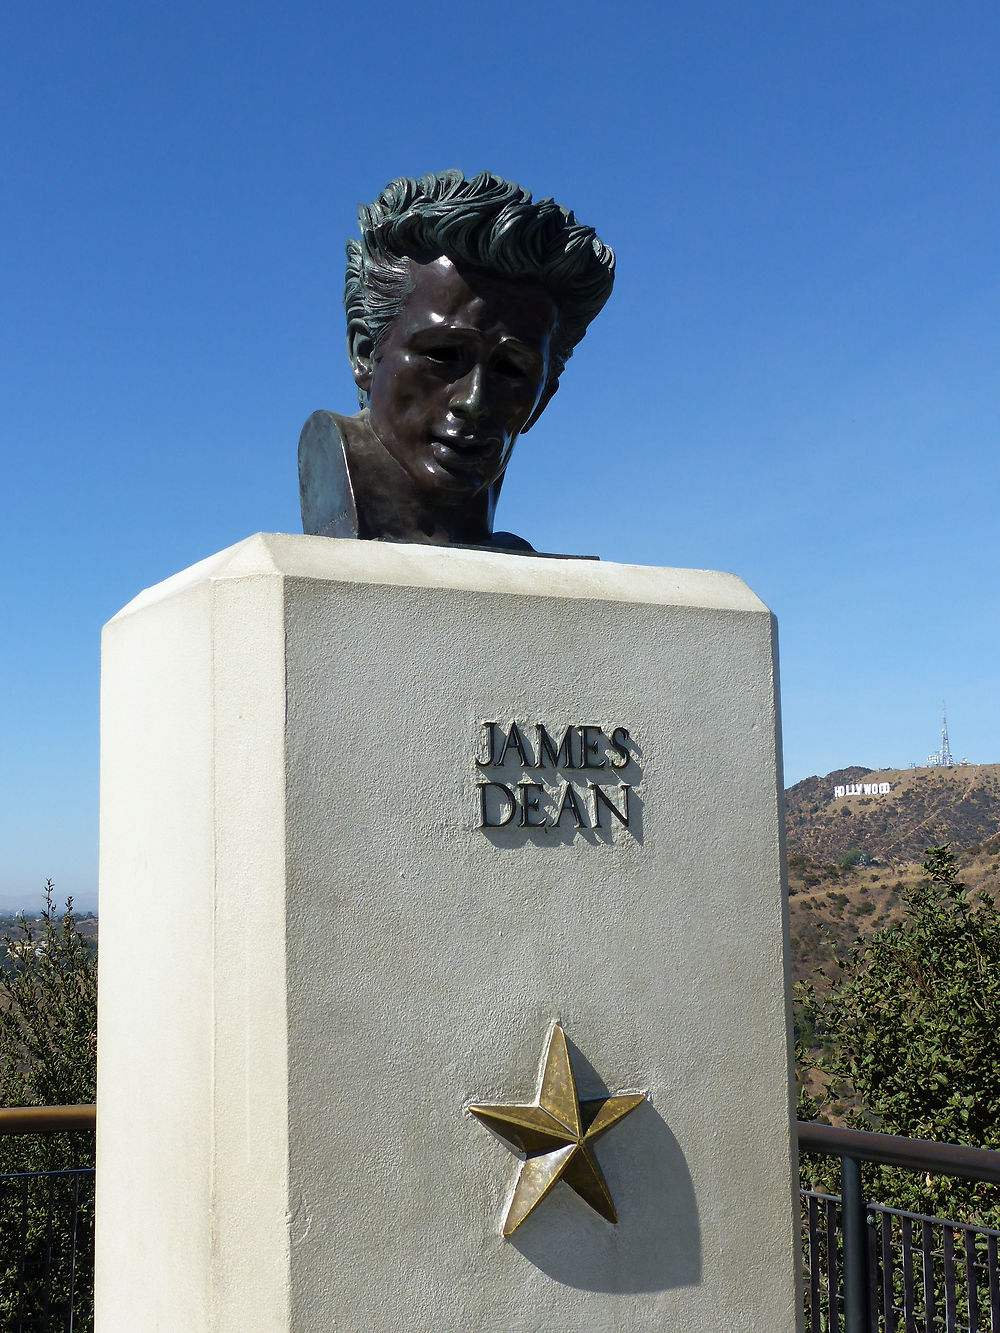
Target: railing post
column 855, row 1215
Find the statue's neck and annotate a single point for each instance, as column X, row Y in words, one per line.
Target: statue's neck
column 390, row 507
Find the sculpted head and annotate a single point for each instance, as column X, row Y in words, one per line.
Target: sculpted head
column 464, row 301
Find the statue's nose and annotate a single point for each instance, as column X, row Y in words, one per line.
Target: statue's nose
column 468, row 397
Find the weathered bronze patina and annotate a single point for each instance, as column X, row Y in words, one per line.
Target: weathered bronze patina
column 556, row 1133
column 465, row 298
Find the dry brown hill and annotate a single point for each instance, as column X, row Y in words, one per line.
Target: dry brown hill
column 833, row 900
column 923, row 808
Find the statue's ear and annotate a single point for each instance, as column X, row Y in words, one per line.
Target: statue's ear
column 547, row 395
column 361, row 351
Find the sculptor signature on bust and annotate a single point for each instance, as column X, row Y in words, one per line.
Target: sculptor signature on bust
column 465, row 298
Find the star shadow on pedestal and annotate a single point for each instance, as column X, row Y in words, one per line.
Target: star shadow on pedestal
column 657, row 1246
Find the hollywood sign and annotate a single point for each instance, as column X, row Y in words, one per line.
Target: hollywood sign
column 863, row 789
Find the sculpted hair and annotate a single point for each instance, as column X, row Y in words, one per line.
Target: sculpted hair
column 486, row 223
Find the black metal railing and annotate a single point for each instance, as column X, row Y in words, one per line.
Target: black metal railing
column 873, row 1269
column 46, row 1227
column 46, row 1257
column 925, row 1273
column 869, row 1268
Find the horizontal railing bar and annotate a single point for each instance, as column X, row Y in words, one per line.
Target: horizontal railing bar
column 938, row 1221
column 46, row 1119
column 914, row 1217
column 943, row 1159
column 44, row 1175
column 947, row 1159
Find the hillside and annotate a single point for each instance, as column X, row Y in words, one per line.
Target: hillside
column 851, row 857
column 924, row 807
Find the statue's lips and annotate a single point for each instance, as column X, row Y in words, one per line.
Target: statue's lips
column 464, row 453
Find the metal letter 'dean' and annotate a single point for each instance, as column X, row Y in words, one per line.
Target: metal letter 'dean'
column 556, row 1133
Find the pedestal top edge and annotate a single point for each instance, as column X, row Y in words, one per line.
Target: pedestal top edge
column 341, row 560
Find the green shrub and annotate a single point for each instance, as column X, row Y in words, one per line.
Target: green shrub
column 912, row 1020
column 48, row 1057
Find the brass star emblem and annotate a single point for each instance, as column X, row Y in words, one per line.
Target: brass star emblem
column 556, row 1133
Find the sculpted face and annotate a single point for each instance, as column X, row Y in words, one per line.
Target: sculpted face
column 458, row 375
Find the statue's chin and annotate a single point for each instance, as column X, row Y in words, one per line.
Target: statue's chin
column 444, row 478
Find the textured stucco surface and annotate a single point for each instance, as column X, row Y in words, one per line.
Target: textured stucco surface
column 289, row 741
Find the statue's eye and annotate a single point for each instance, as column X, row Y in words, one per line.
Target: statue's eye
column 506, row 366
column 447, row 354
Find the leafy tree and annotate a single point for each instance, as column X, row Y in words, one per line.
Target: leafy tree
column 48, row 1012
column 48, row 1057
column 853, row 856
column 911, row 1032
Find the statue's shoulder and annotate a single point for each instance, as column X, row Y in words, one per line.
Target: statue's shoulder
column 325, row 491
column 509, row 541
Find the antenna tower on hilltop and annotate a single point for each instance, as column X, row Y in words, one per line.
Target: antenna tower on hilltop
column 942, row 759
column 946, row 759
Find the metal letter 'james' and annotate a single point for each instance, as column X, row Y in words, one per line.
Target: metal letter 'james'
column 556, row 1133
column 537, row 778
column 465, row 299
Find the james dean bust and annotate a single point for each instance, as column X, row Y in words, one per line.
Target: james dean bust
column 464, row 301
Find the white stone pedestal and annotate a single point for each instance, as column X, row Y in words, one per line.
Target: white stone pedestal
column 313, row 958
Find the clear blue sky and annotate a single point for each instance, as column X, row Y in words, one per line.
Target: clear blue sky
column 795, row 379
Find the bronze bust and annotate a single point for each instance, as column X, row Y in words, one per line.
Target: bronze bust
column 465, row 299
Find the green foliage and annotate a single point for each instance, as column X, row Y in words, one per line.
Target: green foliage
column 912, row 1025
column 48, row 1057
column 48, row 1012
